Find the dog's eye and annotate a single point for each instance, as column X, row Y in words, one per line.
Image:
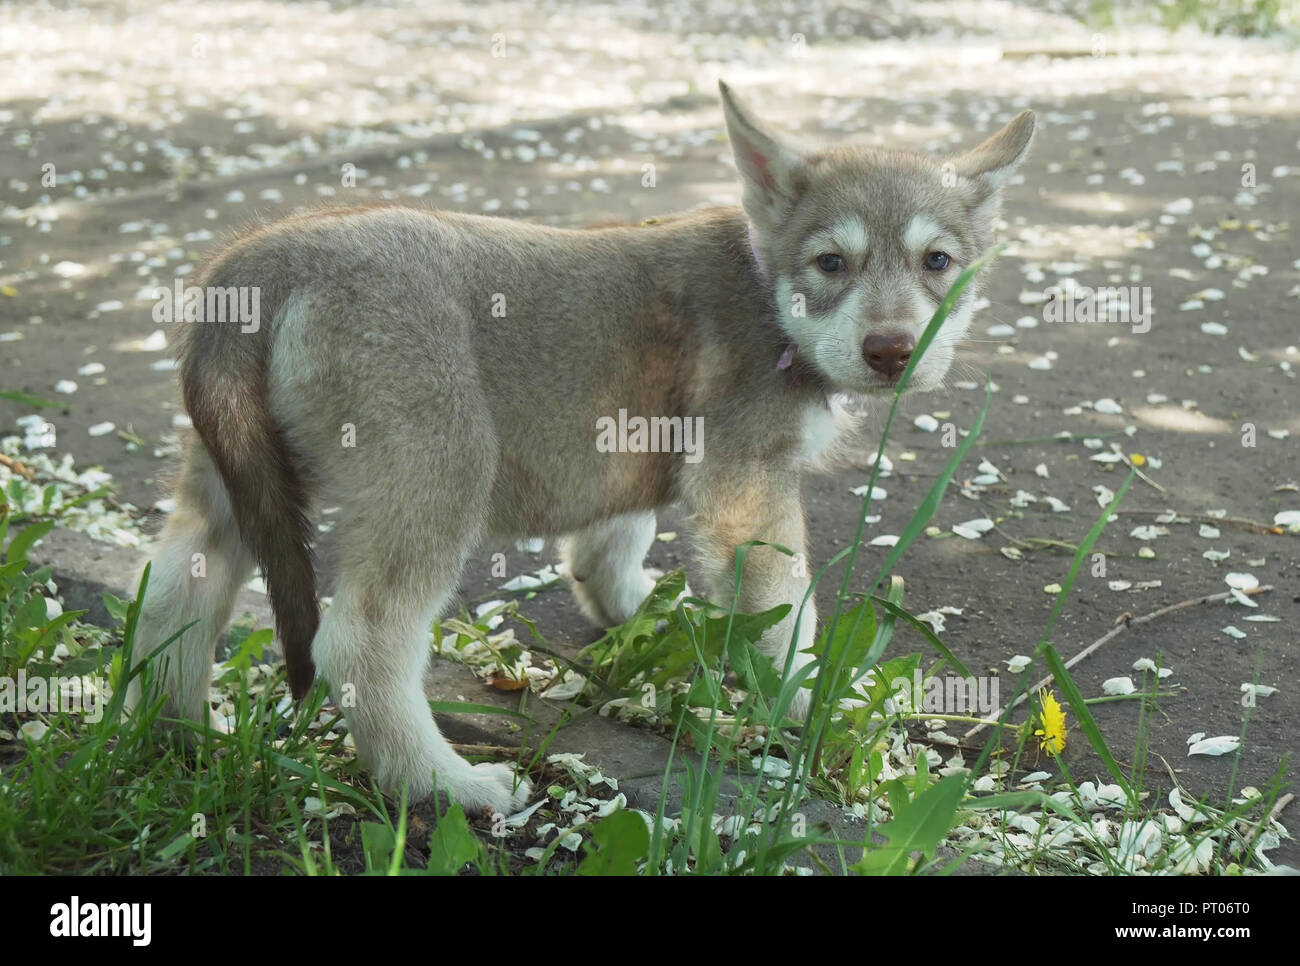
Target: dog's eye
column 936, row 261
column 830, row 263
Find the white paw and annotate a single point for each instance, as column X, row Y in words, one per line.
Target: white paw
column 491, row 788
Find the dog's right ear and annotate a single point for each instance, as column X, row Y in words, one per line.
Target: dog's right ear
column 773, row 172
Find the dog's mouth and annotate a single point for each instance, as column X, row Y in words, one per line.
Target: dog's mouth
column 802, row 370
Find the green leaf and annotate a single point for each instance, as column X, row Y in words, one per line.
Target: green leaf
column 618, row 842
column 377, row 844
column 116, row 606
column 854, row 634
column 250, row 649
column 926, row 631
column 452, row 843
column 25, row 400
column 24, row 539
column 918, row 826
column 756, row 673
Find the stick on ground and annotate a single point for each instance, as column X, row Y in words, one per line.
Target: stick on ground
column 1122, row 623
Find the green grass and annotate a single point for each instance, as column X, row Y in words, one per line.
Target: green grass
column 283, row 792
column 1242, row 18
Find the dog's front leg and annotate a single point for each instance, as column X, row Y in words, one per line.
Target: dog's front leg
column 767, row 509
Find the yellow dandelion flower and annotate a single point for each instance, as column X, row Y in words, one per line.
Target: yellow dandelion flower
column 1051, row 734
column 1137, row 459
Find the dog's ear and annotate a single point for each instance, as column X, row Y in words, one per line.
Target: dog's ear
column 772, row 171
column 988, row 165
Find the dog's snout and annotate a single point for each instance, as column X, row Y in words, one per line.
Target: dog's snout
column 888, row 353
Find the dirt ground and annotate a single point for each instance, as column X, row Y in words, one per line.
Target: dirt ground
column 1167, row 163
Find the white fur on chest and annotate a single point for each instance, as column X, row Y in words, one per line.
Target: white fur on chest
column 823, row 428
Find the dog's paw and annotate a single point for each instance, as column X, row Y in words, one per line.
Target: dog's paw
column 492, row 789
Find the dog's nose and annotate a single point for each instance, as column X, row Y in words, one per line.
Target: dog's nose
column 888, row 353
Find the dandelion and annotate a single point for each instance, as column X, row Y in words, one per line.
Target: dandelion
column 1051, row 734
column 1137, row 459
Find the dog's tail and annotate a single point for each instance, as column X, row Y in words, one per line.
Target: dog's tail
column 223, row 375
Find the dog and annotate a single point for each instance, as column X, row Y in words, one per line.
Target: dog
column 444, row 378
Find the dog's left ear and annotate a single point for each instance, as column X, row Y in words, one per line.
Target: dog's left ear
column 990, row 164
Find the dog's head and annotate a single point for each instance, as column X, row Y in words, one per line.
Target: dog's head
column 861, row 245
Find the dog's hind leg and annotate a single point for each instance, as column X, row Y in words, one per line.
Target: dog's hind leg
column 402, row 546
column 197, row 571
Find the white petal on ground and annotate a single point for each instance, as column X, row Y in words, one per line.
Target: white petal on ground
column 926, row 423
column 1234, row 632
column 973, row 529
column 1259, row 690
column 1207, row 531
column 1111, row 795
column 1217, row 555
column 1058, row 506
column 1241, row 581
column 877, row 493
column 101, row 429
column 520, row 819
column 1263, row 618
column 1214, row 328
column 1148, row 532
column 1287, row 518
column 566, row 687
column 934, row 619
column 1023, row 499
column 1104, row 495
column 1041, row 470
column 1242, row 599
column 1118, row 585
column 1108, row 406
column 1018, row 663
column 1121, row 685
column 1220, row 745
column 884, row 540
